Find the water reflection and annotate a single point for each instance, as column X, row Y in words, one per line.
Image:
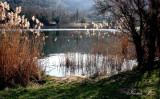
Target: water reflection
column 73, row 41
column 84, row 53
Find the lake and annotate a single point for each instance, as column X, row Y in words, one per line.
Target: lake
column 83, row 52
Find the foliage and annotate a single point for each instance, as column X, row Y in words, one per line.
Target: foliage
column 39, row 8
column 59, row 11
column 83, row 20
column 77, row 15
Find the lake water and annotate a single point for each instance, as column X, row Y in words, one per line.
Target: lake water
column 82, row 52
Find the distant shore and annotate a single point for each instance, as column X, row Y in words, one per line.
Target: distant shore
column 70, row 25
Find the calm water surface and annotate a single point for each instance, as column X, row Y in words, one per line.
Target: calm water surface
column 81, row 47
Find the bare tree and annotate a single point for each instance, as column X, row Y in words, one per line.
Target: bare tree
column 140, row 18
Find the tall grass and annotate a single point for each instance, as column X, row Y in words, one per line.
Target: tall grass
column 105, row 53
column 19, row 50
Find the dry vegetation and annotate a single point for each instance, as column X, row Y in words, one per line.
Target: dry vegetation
column 106, row 53
column 19, row 50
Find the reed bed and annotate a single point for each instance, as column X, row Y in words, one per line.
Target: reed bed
column 19, row 50
column 105, row 53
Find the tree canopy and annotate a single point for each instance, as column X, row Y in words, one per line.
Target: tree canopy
column 141, row 18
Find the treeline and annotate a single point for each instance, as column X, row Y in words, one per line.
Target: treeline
column 50, row 12
column 44, row 10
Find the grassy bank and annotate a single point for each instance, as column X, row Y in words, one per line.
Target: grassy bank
column 126, row 85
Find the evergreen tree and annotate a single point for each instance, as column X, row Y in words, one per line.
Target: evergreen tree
column 77, row 15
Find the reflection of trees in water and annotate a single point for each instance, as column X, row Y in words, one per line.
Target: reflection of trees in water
column 69, row 42
column 66, row 42
column 100, row 53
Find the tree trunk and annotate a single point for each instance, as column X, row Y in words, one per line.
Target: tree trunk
column 137, row 41
column 152, row 39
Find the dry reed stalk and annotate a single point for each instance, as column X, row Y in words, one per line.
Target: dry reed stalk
column 19, row 50
column 18, row 58
column 124, row 45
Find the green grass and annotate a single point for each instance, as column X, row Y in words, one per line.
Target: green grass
column 126, row 85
